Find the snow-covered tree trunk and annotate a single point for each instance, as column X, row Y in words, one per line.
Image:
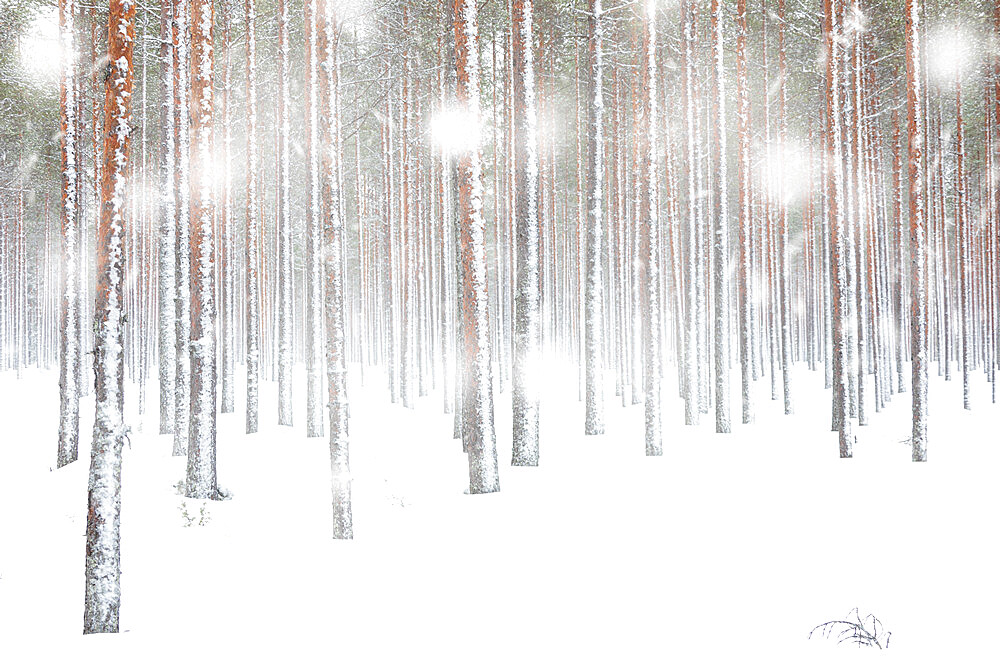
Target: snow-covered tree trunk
column 720, row 226
column 527, row 315
column 314, row 303
column 649, row 242
column 918, row 243
column 408, row 224
column 252, row 229
column 745, row 219
column 182, row 163
column 897, row 195
column 167, row 233
column 333, row 229
column 389, row 272
column 284, row 227
column 447, row 250
column 857, row 221
column 102, row 597
column 227, row 305
column 783, row 250
column 593, row 287
column 834, row 146
column 994, row 241
column 963, row 249
column 477, row 394
column 69, row 338
column 691, row 269
column 201, row 471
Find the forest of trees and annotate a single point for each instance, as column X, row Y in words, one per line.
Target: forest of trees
column 447, row 194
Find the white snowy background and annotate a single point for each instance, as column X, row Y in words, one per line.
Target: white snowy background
column 727, row 550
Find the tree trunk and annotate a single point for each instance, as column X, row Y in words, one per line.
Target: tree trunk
column 918, row 248
column 252, row 228
column 69, row 339
column 593, row 288
column 102, row 597
column 333, row 229
column 527, row 319
column 167, row 232
column 313, row 288
column 745, row 220
column 477, row 395
column 201, row 471
column 720, row 229
column 842, row 420
column 182, row 293
column 649, row 252
column 691, row 352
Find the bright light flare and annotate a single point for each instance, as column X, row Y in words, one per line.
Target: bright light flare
column 455, row 131
column 788, row 169
column 40, row 46
column 949, row 53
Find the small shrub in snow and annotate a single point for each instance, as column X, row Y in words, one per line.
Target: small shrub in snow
column 201, row 518
column 855, row 630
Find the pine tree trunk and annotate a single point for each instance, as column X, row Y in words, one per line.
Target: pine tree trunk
column 167, row 233
column 527, row 318
column 842, row 420
column 102, row 596
column 745, row 215
column 69, row 338
column 478, row 434
column 648, row 259
column 182, row 292
column 720, row 227
column 227, row 348
column 201, row 470
column 691, row 352
column 783, row 250
column 593, row 288
column 252, row 228
column 327, row 32
column 918, row 247
column 284, row 227
column 963, row 249
column 313, row 288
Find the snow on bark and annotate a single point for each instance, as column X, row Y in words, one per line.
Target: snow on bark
column 918, row 238
column 447, row 250
column 897, row 197
column 691, row 269
column 838, row 278
column 649, row 246
column 963, row 230
column 227, row 304
column 201, row 471
column 593, row 288
column 407, row 347
column 182, row 292
column 856, row 251
column 251, row 227
column 314, row 303
column 720, row 227
column 477, row 395
column 527, row 318
column 69, row 338
column 745, row 220
column 167, row 263
column 333, row 254
column 102, row 596
column 783, row 251
column 284, row 227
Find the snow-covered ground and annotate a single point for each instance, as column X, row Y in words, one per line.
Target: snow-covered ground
column 727, row 550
